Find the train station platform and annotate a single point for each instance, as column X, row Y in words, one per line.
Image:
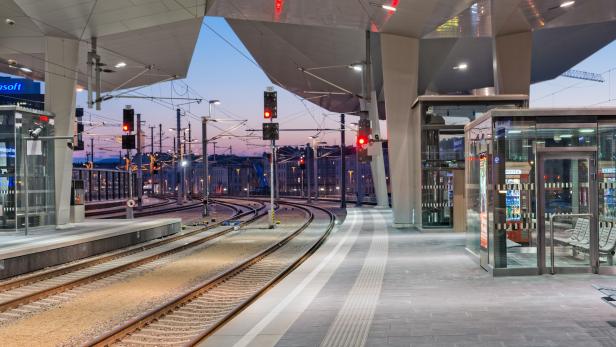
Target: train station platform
column 39, row 249
column 372, row 285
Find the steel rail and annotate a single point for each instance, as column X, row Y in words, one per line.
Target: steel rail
column 156, row 313
column 38, row 295
column 275, row 281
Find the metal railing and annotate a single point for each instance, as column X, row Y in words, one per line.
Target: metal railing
column 104, row 184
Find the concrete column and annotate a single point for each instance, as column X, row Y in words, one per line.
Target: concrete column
column 512, row 63
column 61, row 58
column 400, row 61
column 376, row 151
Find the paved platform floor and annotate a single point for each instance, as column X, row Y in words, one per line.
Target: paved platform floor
column 17, row 243
column 371, row 285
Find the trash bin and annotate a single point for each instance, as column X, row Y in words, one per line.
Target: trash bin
column 78, row 209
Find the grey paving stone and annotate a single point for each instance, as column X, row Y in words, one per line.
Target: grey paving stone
column 434, row 295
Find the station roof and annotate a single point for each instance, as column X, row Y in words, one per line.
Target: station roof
column 157, row 33
column 286, row 35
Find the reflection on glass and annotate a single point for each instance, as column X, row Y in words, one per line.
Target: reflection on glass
column 566, row 192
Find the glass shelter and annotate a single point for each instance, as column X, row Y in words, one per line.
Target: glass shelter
column 443, row 118
column 27, row 196
column 541, row 190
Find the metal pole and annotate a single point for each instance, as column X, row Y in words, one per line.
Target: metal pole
column 139, row 165
column 308, row 166
column 184, row 165
column 342, row 164
column 315, row 158
column 272, row 191
column 152, row 139
column 129, row 210
column 180, row 196
column 26, row 188
column 174, row 167
column 358, row 197
column 97, row 75
column 92, row 151
column 160, row 152
column 206, row 183
column 189, row 191
column 160, row 138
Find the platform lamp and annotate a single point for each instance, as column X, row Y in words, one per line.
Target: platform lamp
column 206, row 190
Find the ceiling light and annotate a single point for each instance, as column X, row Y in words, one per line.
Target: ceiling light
column 389, row 8
column 514, row 132
column 25, row 69
column 120, row 65
column 461, row 66
column 567, row 4
column 586, row 131
column 566, row 136
column 79, row 89
column 356, row 67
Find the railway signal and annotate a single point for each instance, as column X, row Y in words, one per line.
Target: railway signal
column 128, row 120
column 128, row 126
column 363, row 140
column 78, row 141
column 270, row 104
column 271, row 131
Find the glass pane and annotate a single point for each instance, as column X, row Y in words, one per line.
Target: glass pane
column 477, row 142
column 606, row 185
column 437, row 198
column 566, row 192
column 514, row 198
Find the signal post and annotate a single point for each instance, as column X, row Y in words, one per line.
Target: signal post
column 128, row 143
column 271, row 132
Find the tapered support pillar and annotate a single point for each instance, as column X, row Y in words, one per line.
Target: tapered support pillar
column 512, row 63
column 61, row 58
column 400, row 61
column 377, row 165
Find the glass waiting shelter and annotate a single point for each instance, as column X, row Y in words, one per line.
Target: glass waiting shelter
column 443, row 118
column 541, row 191
column 27, row 196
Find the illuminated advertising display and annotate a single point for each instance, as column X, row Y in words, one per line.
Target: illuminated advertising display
column 22, row 92
column 483, row 203
column 17, row 86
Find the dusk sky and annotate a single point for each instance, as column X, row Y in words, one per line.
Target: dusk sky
column 219, row 72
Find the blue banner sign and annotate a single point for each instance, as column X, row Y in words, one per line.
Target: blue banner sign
column 18, row 86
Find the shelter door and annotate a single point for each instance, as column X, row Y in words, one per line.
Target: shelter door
column 567, row 210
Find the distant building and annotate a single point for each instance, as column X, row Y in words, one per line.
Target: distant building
column 22, row 92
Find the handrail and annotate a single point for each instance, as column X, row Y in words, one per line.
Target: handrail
column 552, row 217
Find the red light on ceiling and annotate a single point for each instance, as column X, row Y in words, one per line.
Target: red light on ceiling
column 393, row 7
column 278, row 7
column 44, row 119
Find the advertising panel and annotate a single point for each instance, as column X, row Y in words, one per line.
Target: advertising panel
column 483, row 203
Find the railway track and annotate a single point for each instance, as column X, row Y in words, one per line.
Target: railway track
column 150, row 210
column 195, row 314
column 122, row 208
column 31, row 293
